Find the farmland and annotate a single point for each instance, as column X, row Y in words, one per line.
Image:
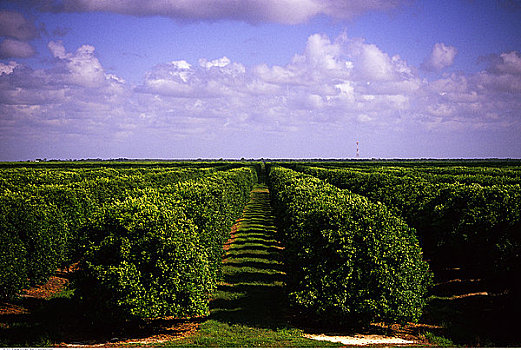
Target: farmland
column 431, row 247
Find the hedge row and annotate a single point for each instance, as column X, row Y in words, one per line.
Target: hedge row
column 158, row 253
column 464, row 175
column 471, row 225
column 348, row 259
column 19, row 178
column 43, row 225
column 38, row 233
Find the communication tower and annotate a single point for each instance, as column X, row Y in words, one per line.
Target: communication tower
column 357, row 151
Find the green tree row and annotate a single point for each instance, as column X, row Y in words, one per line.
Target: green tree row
column 463, row 175
column 466, row 224
column 44, row 226
column 486, row 176
column 159, row 252
column 348, row 259
column 20, row 178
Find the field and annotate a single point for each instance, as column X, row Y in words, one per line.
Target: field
column 228, row 254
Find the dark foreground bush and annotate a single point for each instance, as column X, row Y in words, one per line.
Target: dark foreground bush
column 348, row 259
column 45, row 225
column 13, row 265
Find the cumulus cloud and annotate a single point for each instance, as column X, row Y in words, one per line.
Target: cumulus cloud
column 221, row 62
column 331, row 85
column 12, row 48
column 214, row 78
column 76, row 84
column 372, row 64
column 80, row 68
column 331, row 80
column 7, row 68
column 14, row 25
column 252, row 11
column 503, row 73
column 340, row 82
column 441, row 57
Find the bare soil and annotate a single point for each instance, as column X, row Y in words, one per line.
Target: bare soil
column 55, row 284
column 233, row 235
column 166, row 329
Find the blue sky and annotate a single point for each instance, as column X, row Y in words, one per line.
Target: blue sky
column 273, row 78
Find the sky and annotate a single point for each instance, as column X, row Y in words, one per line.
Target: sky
column 189, row 79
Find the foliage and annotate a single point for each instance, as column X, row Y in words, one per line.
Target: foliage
column 13, row 270
column 36, row 236
column 347, row 258
column 149, row 264
column 473, row 225
column 159, row 252
column 47, row 214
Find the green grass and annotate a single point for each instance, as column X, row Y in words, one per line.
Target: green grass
column 439, row 341
column 249, row 308
column 215, row 333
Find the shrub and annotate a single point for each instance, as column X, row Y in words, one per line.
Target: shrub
column 149, row 264
column 159, row 252
column 348, row 259
column 13, row 264
column 471, row 225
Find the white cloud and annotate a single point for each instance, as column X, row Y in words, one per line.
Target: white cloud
column 221, row 62
column 505, row 63
column 212, row 78
column 7, row 68
column 329, row 81
column 510, row 64
column 82, row 67
column 370, row 63
column 332, row 85
column 57, row 49
column 252, row 11
column 498, row 82
column 503, row 73
column 63, row 100
column 181, row 65
column 441, row 57
column 321, row 54
column 17, row 31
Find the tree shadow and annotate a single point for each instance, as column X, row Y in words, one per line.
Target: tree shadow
column 64, row 320
column 470, row 315
column 249, row 255
column 264, row 237
column 255, row 247
column 256, row 264
column 255, row 241
column 255, row 277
